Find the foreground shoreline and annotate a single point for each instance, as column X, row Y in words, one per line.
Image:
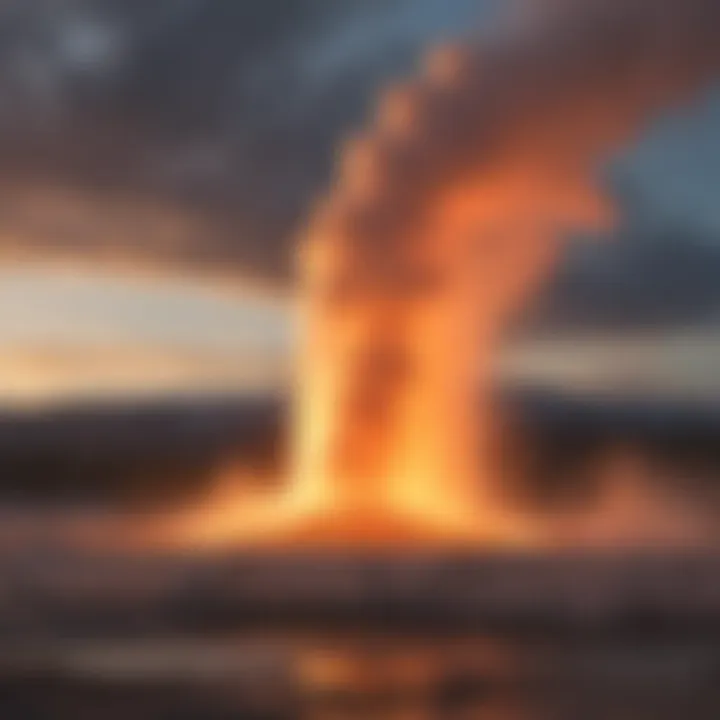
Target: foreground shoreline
column 73, row 593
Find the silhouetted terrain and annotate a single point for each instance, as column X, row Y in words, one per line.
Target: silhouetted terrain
column 133, row 452
column 151, row 452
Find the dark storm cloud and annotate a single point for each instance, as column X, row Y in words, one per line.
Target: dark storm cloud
column 643, row 280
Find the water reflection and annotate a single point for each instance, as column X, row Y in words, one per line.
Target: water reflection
column 410, row 680
column 364, row 677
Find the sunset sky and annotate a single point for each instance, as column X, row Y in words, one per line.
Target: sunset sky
column 68, row 334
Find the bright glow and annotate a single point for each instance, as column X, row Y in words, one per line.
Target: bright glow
column 72, row 334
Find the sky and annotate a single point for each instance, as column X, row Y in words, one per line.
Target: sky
column 200, row 131
column 76, row 336
column 189, row 138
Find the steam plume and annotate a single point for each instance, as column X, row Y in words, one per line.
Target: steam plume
column 443, row 218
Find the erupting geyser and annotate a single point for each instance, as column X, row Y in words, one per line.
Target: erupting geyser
column 443, row 219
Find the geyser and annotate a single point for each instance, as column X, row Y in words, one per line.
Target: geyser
column 442, row 220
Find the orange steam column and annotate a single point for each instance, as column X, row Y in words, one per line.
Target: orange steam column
column 407, row 289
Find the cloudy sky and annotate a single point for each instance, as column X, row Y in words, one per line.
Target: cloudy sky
column 190, row 136
column 199, row 130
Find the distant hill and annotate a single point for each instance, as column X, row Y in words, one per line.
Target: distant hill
column 142, row 451
column 155, row 452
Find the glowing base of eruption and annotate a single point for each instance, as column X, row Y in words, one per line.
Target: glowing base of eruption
column 275, row 527
column 352, row 529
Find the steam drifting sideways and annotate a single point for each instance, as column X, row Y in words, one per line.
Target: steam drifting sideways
column 443, row 219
